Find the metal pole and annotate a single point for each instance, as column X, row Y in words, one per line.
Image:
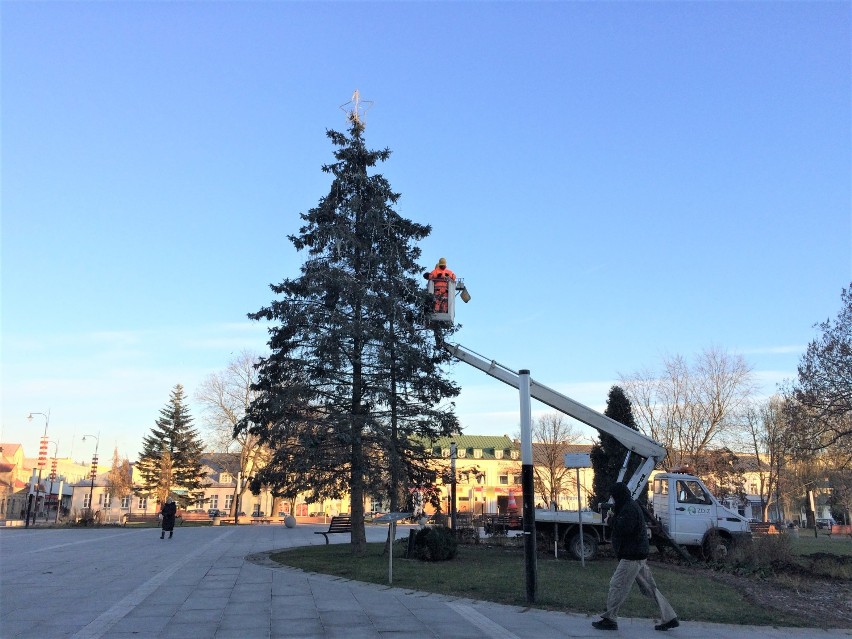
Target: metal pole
column 51, row 495
column 453, row 453
column 528, row 486
column 392, row 532
column 580, row 518
column 239, row 488
column 58, row 501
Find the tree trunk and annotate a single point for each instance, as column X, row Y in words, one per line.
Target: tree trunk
column 359, row 535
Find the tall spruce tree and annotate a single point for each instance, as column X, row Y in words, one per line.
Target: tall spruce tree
column 608, row 453
column 354, row 383
column 170, row 461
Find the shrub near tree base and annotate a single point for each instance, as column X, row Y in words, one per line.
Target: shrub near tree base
column 435, row 543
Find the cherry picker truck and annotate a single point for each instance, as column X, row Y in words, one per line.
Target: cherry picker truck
column 685, row 511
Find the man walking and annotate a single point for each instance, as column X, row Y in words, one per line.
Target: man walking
column 630, row 542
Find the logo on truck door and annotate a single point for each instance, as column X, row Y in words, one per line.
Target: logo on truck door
column 698, row 510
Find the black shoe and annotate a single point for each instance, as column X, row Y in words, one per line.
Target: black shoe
column 673, row 623
column 170, row 535
column 605, row 624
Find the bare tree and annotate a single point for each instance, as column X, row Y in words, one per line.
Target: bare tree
column 766, row 429
column 689, row 407
column 552, row 435
column 119, row 478
column 821, row 405
column 224, row 397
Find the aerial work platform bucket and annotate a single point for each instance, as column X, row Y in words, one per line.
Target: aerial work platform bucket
column 444, row 307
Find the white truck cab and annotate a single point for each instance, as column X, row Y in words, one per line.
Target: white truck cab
column 693, row 517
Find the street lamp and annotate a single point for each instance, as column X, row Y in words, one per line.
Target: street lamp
column 94, row 470
column 42, row 460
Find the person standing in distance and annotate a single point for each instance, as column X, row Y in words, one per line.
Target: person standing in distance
column 631, row 546
column 168, row 511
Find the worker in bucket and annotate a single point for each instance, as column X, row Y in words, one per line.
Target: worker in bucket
column 440, row 276
column 631, row 546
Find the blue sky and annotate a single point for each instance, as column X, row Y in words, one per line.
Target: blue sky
column 614, row 182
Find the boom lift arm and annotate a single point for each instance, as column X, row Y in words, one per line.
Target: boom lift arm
column 634, row 441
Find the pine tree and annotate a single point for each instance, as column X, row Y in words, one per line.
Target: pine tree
column 354, row 378
column 171, row 454
column 608, row 453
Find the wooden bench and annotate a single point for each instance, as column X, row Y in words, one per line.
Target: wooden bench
column 140, row 518
column 760, row 528
column 339, row 524
column 501, row 524
column 197, row 515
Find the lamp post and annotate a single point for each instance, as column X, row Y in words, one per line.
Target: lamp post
column 42, row 460
column 94, row 470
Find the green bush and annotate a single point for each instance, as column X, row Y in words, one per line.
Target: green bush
column 435, row 543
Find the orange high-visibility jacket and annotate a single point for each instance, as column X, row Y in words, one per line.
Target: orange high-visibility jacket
column 439, row 273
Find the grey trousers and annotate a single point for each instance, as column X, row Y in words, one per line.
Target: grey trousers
column 625, row 574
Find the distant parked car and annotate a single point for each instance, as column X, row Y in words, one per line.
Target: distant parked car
column 257, row 513
column 215, row 512
column 824, row 523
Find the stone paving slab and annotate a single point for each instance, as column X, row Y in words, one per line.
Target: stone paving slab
column 212, row 582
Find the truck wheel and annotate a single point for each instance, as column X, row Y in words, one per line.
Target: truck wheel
column 589, row 548
column 716, row 547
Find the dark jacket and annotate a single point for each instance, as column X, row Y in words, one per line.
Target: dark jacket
column 169, row 510
column 629, row 532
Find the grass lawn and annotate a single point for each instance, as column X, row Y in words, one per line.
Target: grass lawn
column 497, row 574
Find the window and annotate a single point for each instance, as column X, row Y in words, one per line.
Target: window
column 445, row 452
column 214, row 501
column 516, row 480
column 107, row 499
column 477, row 453
column 225, row 478
column 125, row 501
column 504, row 480
column 690, row 492
column 461, row 453
column 514, row 454
column 376, row 504
column 229, row 501
column 86, row 499
column 753, row 488
column 498, row 454
column 143, row 503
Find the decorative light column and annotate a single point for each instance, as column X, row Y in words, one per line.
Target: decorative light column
column 94, row 470
column 42, row 462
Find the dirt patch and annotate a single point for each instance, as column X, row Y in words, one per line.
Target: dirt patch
column 794, row 590
column 823, row 603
